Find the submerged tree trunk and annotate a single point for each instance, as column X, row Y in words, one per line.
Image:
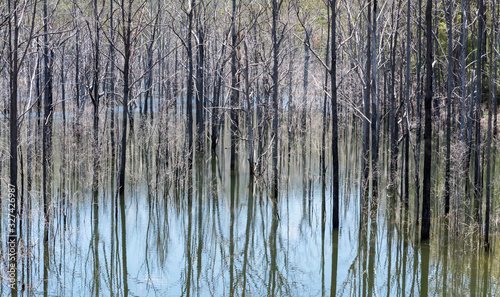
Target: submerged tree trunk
column 366, row 105
column 200, row 89
column 190, row 86
column 234, row 91
column 325, row 125
column 418, row 131
column 479, row 89
column 303, row 116
column 335, row 151
column 375, row 118
column 127, row 44
column 448, row 111
column 275, row 98
column 111, row 91
column 13, row 43
column 426, row 201
column 95, row 101
column 47, row 116
column 407, row 105
column 249, row 114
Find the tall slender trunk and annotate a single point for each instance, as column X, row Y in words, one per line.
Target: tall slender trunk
column 335, row 151
column 479, row 90
column 200, row 88
column 47, row 116
column 12, row 244
column 488, row 156
column 374, row 109
column 190, row 85
column 95, row 97
column 111, row 85
column 418, row 131
column 491, row 97
column 275, row 98
column 325, row 125
column 426, row 201
column 407, row 96
column 249, row 114
column 216, row 100
column 448, row 111
column 303, row 117
column 366, row 104
column 127, row 44
column 495, row 55
column 148, row 102
column 393, row 115
column 234, row 91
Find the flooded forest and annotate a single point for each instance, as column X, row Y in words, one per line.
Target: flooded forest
column 249, row 148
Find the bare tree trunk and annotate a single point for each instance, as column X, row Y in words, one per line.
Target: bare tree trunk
column 47, row 117
column 95, row 101
column 426, row 201
column 407, row 108
column 234, row 91
column 200, row 87
column 111, row 92
column 393, row 116
column 126, row 16
column 303, row 117
column 374, row 110
column 366, row 104
column 479, row 72
column 448, row 111
column 13, row 196
column 495, row 55
column 275, row 98
column 148, row 102
column 470, row 120
column 335, row 151
column 216, row 100
column 190, row 85
column 249, row 114
column 488, row 155
column 325, row 125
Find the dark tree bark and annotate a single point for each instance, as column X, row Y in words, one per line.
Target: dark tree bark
column 234, row 91
column 407, row 105
column 200, row 100
column 303, row 117
column 47, row 116
column 249, row 114
column 426, row 201
column 95, row 102
column 448, row 110
column 479, row 89
column 216, row 99
column 274, row 33
column 393, row 116
column 418, row 132
column 325, row 125
column 190, row 85
column 111, row 85
column 13, row 44
column 335, row 151
column 491, row 97
column 366, row 104
column 148, row 102
column 126, row 19
column 488, row 168
column 374, row 109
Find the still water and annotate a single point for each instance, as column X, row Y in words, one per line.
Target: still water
column 219, row 235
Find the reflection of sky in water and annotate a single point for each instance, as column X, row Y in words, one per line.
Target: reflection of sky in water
column 157, row 248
